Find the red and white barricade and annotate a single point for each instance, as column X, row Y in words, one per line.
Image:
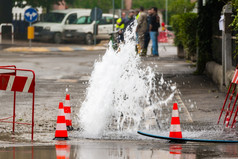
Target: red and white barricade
column 227, row 105
column 163, row 38
column 11, row 81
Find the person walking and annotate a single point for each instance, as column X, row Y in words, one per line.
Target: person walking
column 153, row 28
column 140, row 30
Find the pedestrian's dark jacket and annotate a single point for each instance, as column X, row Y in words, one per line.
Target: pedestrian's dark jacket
column 154, row 21
column 148, row 19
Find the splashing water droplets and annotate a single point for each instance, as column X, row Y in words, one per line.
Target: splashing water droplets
column 119, row 92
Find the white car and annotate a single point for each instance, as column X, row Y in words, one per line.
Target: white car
column 52, row 24
column 83, row 28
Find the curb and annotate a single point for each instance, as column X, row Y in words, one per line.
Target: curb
column 54, row 49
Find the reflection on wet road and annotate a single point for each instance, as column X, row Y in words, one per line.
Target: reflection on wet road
column 94, row 149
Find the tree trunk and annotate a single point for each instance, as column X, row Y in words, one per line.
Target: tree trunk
column 5, row 11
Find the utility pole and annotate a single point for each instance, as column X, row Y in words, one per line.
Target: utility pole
column 122, row 4
column 166, row 12
column 113, row 10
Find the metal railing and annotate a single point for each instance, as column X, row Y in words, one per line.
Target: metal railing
column 12, row 31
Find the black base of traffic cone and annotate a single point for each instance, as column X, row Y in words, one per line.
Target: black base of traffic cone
column 61, row 138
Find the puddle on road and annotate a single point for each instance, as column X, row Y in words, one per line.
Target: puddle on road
column 94, row 149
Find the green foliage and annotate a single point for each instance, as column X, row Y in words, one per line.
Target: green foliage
column 148, row 4
column 36, row 3
column 235, row 3
column 181, row 6
column 174, row 6
column 105, row 5
column 176, row 28
column 189, row 31
column 234, row 24
column 185, row 28
column 205, row 32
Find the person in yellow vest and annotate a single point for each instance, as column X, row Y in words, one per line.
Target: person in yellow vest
column 120, row 27
column 137, row 14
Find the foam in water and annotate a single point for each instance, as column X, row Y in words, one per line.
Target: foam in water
column 120, row 91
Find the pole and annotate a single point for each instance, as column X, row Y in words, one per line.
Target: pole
column 29, row 39
column 113, row 20
column 14, row 112
column 95, row 15
column 33, row 110
column 0, row 33
column 122, row 4
column 12, row 34
column 166, row 12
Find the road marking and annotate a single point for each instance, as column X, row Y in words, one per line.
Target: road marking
column 184, row 108
column 53, row 49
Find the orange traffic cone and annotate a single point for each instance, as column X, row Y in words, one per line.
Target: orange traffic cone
column 61, row 131
column 175, row 129
column 67, row 111
column 62, row 150
column 175, row 151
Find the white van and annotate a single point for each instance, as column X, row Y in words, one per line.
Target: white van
column 83, row 28
column 52, row 24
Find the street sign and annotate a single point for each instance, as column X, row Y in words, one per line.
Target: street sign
column 96, row 14
column 30, row 15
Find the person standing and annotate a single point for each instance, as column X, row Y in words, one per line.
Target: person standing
column 140, row 30
column 147, row 33
column 120, row 25
column 153, row 28
column 127, row 21
column 137, row 14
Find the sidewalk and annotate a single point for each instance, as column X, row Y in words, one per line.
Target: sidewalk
column 199, row 94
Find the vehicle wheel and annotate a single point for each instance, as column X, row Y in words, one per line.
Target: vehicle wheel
column 89, row 39
column 57, row 38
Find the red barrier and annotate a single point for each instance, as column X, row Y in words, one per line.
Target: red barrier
column 229, row 97
column 10, row 81
column 163, row 38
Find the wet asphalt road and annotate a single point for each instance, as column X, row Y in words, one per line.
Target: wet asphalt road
column 59, row 71
column 93, row 149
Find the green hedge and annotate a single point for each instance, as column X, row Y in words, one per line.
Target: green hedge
column 185, row 29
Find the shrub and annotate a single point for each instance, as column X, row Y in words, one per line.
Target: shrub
column 185, row 29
